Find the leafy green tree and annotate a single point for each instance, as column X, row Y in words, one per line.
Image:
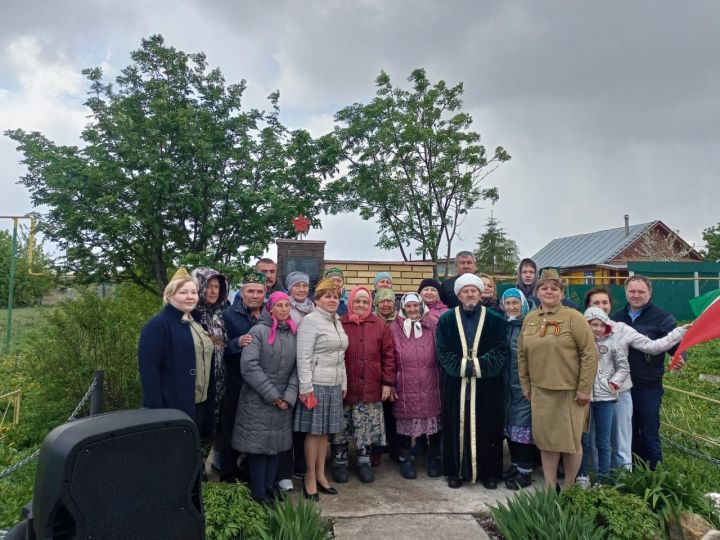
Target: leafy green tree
column 711, row 236
column 496, row 253
column 173, row 170
column 414, row 164
column 31, row 283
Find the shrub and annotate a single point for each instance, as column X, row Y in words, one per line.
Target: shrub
column 301, row 522
column 624, row 515
column 16, row 490
column 76, row 338
column 231, row 513
column 540, row 515
column 667, row 492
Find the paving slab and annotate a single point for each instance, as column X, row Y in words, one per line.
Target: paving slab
column 390, row 494
column 409, row 527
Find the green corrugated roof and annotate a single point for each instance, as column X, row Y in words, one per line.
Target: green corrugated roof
column 589, row 249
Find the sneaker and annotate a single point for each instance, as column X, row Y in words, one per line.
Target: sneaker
column 583, row 482
column 286, row 484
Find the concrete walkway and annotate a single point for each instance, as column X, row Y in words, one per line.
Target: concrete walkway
column 399, row 509
column 394, row 508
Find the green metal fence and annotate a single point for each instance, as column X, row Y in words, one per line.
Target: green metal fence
column 674, row 284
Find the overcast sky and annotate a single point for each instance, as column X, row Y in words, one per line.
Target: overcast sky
column 607, row 107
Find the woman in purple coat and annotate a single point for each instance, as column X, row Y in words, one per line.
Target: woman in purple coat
column 417, row 405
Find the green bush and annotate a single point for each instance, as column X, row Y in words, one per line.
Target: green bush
column 667, row 492
column 296, row 522
column 624, row 515
column 16, row 490
column 231, row 513
column 76, row 338
column 540, row 515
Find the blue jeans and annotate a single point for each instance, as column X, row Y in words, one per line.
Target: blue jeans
column 621, row 436
column 601, row 424
column 646, row 424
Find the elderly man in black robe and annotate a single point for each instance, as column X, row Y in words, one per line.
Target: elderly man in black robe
column 472, row 348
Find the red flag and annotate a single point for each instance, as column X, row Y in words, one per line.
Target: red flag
column 704, row 328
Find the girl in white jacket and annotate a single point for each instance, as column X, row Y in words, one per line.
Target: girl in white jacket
column 613, row 369
column 627, row 336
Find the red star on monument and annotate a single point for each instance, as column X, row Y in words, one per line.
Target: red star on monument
column 301, row 224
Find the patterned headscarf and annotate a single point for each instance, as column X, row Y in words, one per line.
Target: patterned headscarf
column 409, row 324
column 210, row 316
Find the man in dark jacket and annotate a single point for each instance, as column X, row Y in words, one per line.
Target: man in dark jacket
column 243, row 314
column 464, row 264
column 646, row 371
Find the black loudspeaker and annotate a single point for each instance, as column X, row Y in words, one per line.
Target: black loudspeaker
column 124, row 475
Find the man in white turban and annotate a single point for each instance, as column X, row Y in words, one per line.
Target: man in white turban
column 472, row 348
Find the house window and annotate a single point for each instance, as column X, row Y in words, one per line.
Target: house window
column 590, row 278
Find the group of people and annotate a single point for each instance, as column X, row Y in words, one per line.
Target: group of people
column 279, row 378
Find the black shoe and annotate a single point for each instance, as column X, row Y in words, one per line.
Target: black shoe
column 365, row 473
column 264, row 500
column 490, row 483
column 310, row 496
column 339, row 473
column 454, row 482
column 519, row 481
column 276, row 493
column 407, row 468
column 326, row 490
column 434, row 467
column 509, row 473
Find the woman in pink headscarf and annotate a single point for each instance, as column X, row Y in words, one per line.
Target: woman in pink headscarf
column 263, row 425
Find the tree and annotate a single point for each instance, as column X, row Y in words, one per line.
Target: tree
column 31, row 283
column 414, row 164
column 711, row 237
column 496, row 253
column 655, row 246
column 173, row 171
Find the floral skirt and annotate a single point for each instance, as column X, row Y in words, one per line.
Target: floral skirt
column 417, row 427
column 364, row 424
column 519, row 434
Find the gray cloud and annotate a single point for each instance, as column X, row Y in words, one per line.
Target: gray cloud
column 607, row 107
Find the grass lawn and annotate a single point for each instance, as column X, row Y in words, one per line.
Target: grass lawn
column 24, row 320
column 694, row 415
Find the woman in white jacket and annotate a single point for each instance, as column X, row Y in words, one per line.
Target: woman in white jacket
column 321, row 344
column 626, row 337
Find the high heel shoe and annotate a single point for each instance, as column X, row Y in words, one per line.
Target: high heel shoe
column 310, row 496
column 326, row 490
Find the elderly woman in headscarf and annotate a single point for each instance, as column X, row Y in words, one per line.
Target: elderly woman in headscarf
column 370, row 368
column 417, row 405
column 263, row 424
column 339, row 279
column 429, row 291
column 518, row 424
column 293, row 461
column 175, row 354
column 298, row 288
column 213, row 290
column 384, row 303
column 557, row 361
